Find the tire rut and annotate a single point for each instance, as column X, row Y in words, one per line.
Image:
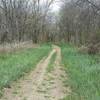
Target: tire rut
column 53, row 86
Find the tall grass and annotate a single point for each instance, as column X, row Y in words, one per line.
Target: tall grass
column 84, row 74
column 13, row 66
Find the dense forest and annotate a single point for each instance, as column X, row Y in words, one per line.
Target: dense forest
column 77, row 22
column 80, row 23
column 22, row 20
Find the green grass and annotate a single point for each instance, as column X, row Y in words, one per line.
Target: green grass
column 15, row 65
column 84, row 74
column 51, row 64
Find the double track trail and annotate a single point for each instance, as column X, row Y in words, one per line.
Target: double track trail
column 40, row 84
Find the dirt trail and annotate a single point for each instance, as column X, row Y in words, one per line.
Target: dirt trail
column 53, row 86
column 40, row 85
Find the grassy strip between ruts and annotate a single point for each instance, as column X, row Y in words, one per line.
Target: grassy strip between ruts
column 51, row 64
column 15, row 65
column 84, row 74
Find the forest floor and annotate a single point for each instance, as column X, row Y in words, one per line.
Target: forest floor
column 40, row 84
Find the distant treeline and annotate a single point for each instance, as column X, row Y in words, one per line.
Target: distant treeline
column 22, row 20
column 80, row 21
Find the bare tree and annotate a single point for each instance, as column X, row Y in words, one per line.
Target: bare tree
column 80, row 22
column 22, row 20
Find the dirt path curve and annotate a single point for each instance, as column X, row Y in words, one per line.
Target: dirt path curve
column 40, row 85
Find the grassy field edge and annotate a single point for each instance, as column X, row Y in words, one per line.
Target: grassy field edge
column 83, row 72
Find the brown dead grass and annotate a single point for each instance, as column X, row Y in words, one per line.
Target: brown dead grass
column 7, row 48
